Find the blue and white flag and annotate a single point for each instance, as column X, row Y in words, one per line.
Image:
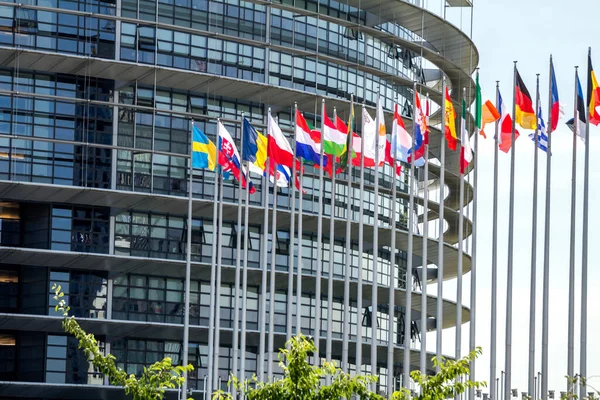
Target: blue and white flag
column 542, row 135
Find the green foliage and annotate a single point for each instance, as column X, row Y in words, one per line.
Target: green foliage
column 303, row 381
column 447, row 383
column 575, row 382
column 153, row 382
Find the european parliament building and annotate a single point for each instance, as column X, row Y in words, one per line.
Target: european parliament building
column 96, row 103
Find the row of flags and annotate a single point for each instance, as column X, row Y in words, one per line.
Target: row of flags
column 528, row 118
column 338, row 141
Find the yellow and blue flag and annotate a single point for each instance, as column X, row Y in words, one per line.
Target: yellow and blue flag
column 255, row 149
column 204, row 152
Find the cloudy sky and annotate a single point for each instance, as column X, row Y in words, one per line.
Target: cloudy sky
column 528, row 31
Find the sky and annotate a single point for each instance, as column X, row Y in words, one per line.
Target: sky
column 528, row 31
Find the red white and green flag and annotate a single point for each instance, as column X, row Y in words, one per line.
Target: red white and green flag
column 466, row 154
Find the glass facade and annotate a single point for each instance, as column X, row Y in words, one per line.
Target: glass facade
column 94, row 174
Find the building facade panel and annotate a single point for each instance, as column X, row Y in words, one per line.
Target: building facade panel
column 117, row 246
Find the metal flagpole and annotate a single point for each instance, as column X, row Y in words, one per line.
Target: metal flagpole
column 409, row 266
column 213, row 263
column 328, row 345
column 271, row 345
column 290, row 293
column 393, row 282
column 245, row 285
column 584, row 245
column 546, row 285
column 299, row 273
column 361, row 209
column 263, row 260
column 318, row 310
column 461, row 201
column 440, row 275
column 571, row 329
column 217, row 344
column 375, row 252
column 494, row 288
column 188, row 272
column 509, row 276
column 236, row 305
column 473, row 301
column 425, row 263
column 531, row 372
column 348, row 263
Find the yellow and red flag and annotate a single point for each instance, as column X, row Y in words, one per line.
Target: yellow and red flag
column 593, row 94
column 450, row 130
column 525, row 114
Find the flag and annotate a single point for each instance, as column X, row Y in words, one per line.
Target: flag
column 334, row 140
column 229, row 158
column 204, row 152
column 478, row 106
column 542, row 136
column 390, row 160
column 525, row 114
column 593, row 94
column 466, row 154
column 489, row 114
column 555, row 104
column 350, row 153
column 356, row 144
column 421, row 126
column 381, row 131
column 255, row 148
column 505, row 139
column 369, row 132
column 579, row 114
column 421, row 134
column 308, row 146
column 279, row 149
column 401, row 140
column 450, row 129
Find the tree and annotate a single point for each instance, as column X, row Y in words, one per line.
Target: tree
column 153, row 382
column 448, row 382
column 302, row 381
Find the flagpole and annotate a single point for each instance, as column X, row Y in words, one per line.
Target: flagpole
column 299, row 273
column 217, row 344
column 271, row 345
column 375, row 252
column 494, row 288
column 532, row 289
column 546, row 284
column 424, row 262
column 393, row 282
column 213, row 263
column 509, row 276
column 473, row 296
column 188, row 271
column 584, row 246
column 359, row 311
column 263, row 259
column 461, row 201
column 318, row 313
column 571, row 330
column 328, row 345
column 440, row 275
column 236, row 312
column 409, row 261
column 242, row 376
column 290, row 294
column 347, row 273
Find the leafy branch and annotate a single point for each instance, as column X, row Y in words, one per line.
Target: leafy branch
column 445, row 384
column 153, row 382
column 302, row 381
